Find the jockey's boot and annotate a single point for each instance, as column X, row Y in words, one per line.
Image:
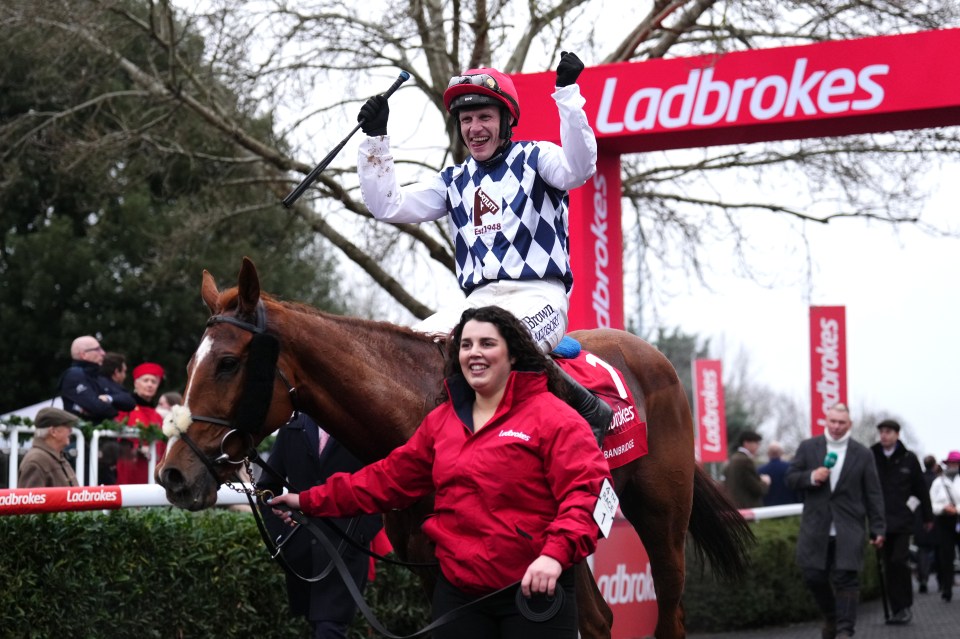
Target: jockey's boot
column 596, row 411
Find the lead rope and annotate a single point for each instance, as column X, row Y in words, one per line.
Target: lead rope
column 443, row 620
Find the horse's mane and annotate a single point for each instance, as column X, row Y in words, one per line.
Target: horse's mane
column 379, row 334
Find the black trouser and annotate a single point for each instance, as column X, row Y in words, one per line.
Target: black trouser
column 926, row 563
column 947, row 541
column 837, row 592
column 499, row 617
column 896, row 551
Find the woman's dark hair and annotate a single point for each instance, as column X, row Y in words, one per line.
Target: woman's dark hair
column 520, row 345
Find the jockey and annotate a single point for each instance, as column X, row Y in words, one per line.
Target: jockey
column 506, row 205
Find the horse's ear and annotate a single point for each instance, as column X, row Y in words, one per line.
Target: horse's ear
column 248, row 287
column 209, row 293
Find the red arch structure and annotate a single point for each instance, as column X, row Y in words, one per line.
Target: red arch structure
column 876, row 84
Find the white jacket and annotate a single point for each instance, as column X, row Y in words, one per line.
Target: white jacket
column 943, row 492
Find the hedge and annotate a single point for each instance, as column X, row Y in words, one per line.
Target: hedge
column 163, row 572
column 770, row 594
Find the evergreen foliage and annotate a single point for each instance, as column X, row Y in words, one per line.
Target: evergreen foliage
column 111, row 210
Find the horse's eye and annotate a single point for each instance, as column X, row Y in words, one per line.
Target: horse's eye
column 227, row 365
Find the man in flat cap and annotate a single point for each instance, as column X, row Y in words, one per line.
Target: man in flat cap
column 45, row 465
column 900, row 478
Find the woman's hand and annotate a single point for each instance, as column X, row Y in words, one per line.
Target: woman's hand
column 541, row 576
column 283, row 504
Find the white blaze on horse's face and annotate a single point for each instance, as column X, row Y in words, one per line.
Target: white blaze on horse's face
column 203, row 351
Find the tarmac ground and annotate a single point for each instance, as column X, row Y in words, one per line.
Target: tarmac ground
column 932, row 619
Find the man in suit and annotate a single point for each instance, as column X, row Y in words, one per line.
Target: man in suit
column 744, row 484
column 837, row 479
column 306, row 456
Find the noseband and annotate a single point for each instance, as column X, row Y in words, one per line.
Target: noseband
column 254, row 403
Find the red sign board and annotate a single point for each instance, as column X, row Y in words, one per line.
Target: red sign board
column 711, row 415
column 596, row 249
column 54, row 500
column 881, row 83
column 621, row 568
column 828, row 362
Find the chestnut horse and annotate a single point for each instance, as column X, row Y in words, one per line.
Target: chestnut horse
column 371, row 383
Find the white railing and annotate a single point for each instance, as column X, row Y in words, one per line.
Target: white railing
column 10, row 441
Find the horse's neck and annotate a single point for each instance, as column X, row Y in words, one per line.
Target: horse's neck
column 366, row 383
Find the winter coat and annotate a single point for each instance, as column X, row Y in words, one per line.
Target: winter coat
column 856, row 499
column 296, row 457
column 900, row 477
column 743, row 482
column 81, row 388
column 43, row 467
column 522, row 486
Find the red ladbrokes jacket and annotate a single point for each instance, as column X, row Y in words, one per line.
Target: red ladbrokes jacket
column 525, row 485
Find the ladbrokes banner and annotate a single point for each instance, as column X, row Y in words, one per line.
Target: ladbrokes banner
column 882, row 83
column 829, row 88
column 711, row 410
column 828, row 362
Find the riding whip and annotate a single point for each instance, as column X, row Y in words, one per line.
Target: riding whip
column 315, row 173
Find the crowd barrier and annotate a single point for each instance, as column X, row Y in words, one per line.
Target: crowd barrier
column 87, row 472
column 29, row 501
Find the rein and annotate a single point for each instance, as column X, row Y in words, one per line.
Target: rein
column 252, row 410
column 554, row 603
column 264, row 355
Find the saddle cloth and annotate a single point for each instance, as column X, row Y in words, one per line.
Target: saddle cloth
column 627, row 438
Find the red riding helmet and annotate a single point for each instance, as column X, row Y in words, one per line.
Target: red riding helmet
column 482, row 87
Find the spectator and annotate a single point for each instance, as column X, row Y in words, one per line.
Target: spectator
column 81, row 388
column 945, row 496
column 167, row 401
column 506, row 205
column 516, row 476
column 744, row 484
column 776, row 469
column 108, row 454
column 45, row 465
column 113, row 373
column 305, row 456
column 832, row 530
column 900, row 478
column 924, row 538
column 114, row 368
column 133, row 465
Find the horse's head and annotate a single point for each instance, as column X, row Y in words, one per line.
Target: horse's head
column 236, row 395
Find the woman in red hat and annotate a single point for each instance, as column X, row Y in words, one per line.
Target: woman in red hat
column 133, row 469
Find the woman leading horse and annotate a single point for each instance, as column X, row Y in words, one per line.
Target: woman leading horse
column 372, row 383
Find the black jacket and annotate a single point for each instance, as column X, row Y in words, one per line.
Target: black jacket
column 80, row 389
column 295, row 456
column 900, row 477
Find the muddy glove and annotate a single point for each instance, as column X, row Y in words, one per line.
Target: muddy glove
column 569, row 69
column 373, row 116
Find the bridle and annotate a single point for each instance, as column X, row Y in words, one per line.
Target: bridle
column 254, row 404
column 251, row 412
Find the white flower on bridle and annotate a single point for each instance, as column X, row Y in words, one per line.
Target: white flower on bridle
column 177, row 421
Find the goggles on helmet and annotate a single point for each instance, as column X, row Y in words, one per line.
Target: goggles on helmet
column 489, row 90
column 478, row 79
